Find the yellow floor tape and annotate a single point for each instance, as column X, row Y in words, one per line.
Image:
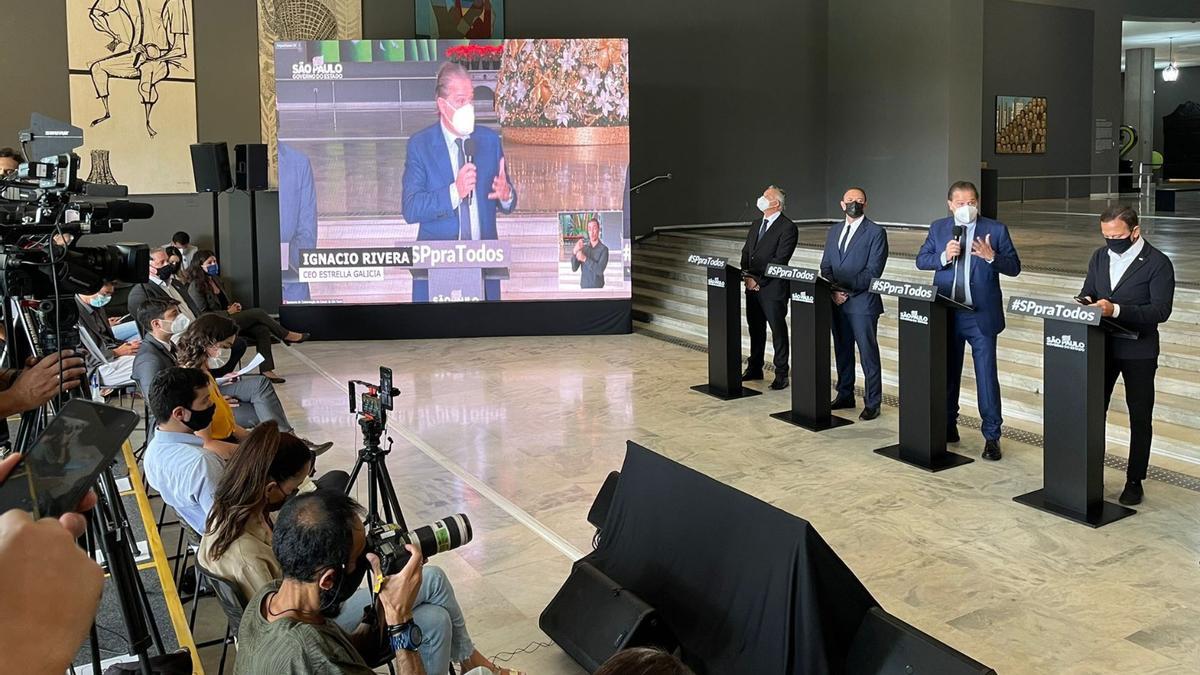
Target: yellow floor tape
column 159, row 557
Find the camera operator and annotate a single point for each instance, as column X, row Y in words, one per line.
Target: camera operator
column 319, row 542
column 9, row 161
column 43, row 620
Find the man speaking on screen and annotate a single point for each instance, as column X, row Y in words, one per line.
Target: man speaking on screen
column 454, row 175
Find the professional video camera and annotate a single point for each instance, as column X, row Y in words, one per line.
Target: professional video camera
column 387, row 541
column 47, row 208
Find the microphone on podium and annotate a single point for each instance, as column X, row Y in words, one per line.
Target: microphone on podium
column 469, row 152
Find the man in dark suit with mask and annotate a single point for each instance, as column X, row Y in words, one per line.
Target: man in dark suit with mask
column 770, row 240
column 856, row 252
column 968, row 253
column 1132, row 283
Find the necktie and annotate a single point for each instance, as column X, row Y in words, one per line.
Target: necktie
column 845, row 238
column 464, row 207
column 960, row 280
column 762, row 229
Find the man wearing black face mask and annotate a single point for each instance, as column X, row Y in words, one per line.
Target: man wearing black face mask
column 176, row 463
column 1133, row 283
column 856, row 251
column 160, row 286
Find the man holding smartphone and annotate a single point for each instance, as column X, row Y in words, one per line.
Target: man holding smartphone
column 1133, row 284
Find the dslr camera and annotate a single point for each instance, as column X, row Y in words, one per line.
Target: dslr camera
column 387, row 541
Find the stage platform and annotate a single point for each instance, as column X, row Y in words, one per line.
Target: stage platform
column 670, row 303
column 520, row 432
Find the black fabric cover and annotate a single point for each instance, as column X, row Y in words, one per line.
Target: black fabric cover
column 744, row 586
column 1181, row 142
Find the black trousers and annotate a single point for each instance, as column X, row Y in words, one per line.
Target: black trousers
column 761, row 311
column 255, row 324
column 1138, row 375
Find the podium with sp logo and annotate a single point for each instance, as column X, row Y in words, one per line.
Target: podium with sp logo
column 724, row 283
column 1074, row 341
column 924, row 333
column 812, row 310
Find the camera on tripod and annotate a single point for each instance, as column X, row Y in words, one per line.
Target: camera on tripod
column 387, row 541
column 376, row 400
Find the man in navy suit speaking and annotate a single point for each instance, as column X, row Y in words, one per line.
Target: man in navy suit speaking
column 968, row 254
column 454, row 175
column 855, row 253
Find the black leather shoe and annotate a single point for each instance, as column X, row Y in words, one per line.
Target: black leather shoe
column 752, row 374
column 781, row 382
column 1133, row 493
column 841, row 403
column 304, row 337
column 317, row 449
column 991, row 451
column 952, row 435
column 869, row 414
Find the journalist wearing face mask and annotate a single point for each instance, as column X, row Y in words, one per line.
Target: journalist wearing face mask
column 455, row 179
column 176, row 462
column 269, row 467
column 206, row 346
column 967, row 254
column 770, row 239
column 161, row 284
column 856, row 251
column 1133, row 283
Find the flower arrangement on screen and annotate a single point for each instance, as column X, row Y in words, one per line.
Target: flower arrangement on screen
column 475, row 56
column 564, row 83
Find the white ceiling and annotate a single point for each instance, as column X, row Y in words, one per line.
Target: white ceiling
column 1157, row 34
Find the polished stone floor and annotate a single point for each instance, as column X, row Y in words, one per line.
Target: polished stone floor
column 520, row 432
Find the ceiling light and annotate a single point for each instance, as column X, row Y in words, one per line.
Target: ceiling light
column 1171, row 73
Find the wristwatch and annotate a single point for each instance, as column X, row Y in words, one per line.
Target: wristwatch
column 406, row 636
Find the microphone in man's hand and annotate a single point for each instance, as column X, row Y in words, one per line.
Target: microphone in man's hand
column 469, row 151
column 959, row 231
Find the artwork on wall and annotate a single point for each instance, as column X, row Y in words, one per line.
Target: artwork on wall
column 1020, row 125
column 133, row 91
column 280, row 20
column 451, row 19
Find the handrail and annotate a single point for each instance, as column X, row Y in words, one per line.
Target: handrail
column 637, row 188
column 1068, row 176
column 1072, row 175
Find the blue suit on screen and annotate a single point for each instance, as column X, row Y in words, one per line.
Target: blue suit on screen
column 981, row 326
column 428, row 174
column 856, row 321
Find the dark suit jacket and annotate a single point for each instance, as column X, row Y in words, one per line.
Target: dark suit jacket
column 593, row 268
column 95, row 321
column 203, row 298
column 985, row 277
column 139, row 294
column 777, row 246
column 428, row 174
column 1145, row 294
column 864, row 259
column 152, row 358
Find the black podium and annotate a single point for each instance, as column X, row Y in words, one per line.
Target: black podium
column 724, row 329
column 924, row 331
column 812, row 309
column 1073, row 411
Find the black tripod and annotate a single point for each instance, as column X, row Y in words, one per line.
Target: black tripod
column 379, row 483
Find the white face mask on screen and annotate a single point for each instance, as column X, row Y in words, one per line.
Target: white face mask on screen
column 463, row 120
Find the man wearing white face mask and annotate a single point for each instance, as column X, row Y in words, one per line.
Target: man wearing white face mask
column 454, row 174
column 968, row 253
column 770, row 240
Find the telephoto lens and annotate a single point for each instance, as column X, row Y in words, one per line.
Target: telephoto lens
column 387, row 541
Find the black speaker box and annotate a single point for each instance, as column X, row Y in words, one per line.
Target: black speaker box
column 251, row 166
column 210, row 166
column 592, row 617
column 885, row 645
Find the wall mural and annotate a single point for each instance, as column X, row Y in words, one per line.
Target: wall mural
column 296, row 20
column 1020, row 125
column 133, row 91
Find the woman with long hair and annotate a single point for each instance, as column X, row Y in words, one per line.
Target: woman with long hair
column 209, row 293
column 269, row 468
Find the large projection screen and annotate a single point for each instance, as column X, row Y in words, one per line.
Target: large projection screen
column 394, row 201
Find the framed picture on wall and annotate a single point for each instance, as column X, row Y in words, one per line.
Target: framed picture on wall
column 1020, row 125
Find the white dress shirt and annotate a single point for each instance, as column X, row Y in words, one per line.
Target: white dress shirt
column 481, row 191
column 1118, row 264
column 853, row 225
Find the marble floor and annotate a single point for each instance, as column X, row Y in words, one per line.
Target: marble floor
column 519, row 433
